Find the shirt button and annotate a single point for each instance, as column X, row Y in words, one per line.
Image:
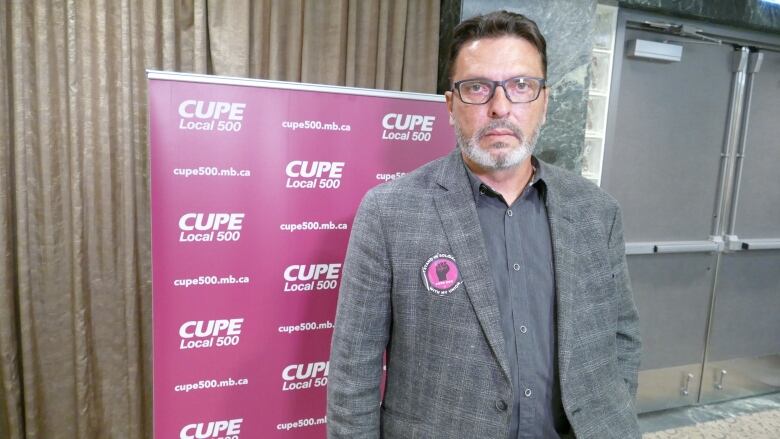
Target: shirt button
column 509, row 212
column 527, row 393
column 501, row 405
column 481, row 190
column 516, row 267
column 523, row 329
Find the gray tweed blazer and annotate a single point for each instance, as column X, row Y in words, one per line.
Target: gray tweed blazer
column 447, row 373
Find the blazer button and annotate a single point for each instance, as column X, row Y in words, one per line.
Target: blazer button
column 501, row 405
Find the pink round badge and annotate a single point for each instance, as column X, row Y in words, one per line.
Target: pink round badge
column 441, row 274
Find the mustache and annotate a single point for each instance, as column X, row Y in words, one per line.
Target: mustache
column 499, row 124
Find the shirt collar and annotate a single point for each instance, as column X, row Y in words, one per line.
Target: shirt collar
column 478, row 188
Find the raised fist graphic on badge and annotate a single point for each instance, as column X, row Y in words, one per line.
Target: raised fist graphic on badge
column 442, row 268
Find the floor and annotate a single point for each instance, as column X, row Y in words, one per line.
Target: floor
column 757, row 417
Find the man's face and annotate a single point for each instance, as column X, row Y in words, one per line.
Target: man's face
column 498, row 134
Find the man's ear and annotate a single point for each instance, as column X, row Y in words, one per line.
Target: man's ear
column 448, row 98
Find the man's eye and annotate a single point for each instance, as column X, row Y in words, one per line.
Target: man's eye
column 476, row 87
column 520, row 84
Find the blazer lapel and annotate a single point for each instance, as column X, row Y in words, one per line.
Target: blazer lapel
column 458, row 214
column 562, row 230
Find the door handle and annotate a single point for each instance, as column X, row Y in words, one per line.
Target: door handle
column 761, row 244
column 648, row 248
column 719, row 383
column 640, row 248
column 686, row 384
column 687, row 247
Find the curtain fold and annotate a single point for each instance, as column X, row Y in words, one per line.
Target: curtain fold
column 75, row 268
column 11, row 415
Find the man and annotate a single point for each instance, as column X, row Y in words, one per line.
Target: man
column 495, row 283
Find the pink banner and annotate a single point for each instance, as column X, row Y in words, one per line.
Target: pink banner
column 254, row 188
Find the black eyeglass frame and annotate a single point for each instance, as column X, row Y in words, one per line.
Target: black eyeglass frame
column 456, row 88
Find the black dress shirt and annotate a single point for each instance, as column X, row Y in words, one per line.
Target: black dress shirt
column 519, row 250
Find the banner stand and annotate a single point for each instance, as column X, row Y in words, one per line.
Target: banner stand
column 254, row 187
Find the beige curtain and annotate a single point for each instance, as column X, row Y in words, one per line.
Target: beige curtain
column 75, row 272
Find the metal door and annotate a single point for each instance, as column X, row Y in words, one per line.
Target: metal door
column 743, row 353
column 669, row 160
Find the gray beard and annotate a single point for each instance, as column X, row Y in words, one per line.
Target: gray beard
column 486, row 160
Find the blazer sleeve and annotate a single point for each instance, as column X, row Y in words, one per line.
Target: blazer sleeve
column 628, row 341
column 361, row 329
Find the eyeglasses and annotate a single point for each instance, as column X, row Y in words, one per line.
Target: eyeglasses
column 518, row 90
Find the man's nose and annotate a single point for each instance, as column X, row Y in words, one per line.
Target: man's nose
column 499, row 106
